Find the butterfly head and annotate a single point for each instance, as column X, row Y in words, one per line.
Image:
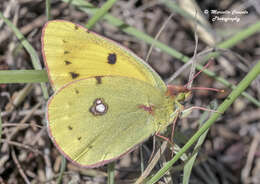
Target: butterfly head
column 179, row 93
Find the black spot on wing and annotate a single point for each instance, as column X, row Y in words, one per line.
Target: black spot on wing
column 76, row 91
column 89, row 146
column 66, row 52
column 99, row 79
column 76, row 27
column 67, row 62
column 70, row 127
column 74, row 75
column 79, row 138
column 111, row 58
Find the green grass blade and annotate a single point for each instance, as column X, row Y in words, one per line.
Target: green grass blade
column 100, row 13
column 33, row 54
column 111, row 173
column 62, row 169
column 255, row 71
column 23, row 76
column 189, row 164
column 48, row 9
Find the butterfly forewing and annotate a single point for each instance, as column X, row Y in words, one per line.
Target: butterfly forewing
column 71, row 52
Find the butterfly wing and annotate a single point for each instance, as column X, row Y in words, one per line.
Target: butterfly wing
column 71, row 52
column 96, row 120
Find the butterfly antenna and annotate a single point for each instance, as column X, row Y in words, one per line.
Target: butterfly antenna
column 208, row 89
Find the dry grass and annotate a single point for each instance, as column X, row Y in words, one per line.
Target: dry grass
column 231, row 152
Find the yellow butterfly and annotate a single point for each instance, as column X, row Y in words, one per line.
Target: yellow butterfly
column 107, row 100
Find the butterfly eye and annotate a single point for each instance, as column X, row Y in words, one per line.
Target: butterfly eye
column 185, row 100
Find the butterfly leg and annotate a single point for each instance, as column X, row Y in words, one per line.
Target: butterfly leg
column 173, row 128
column 186, row 112
column 165, row 138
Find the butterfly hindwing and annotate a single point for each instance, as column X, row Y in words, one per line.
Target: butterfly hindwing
column 101, row 117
